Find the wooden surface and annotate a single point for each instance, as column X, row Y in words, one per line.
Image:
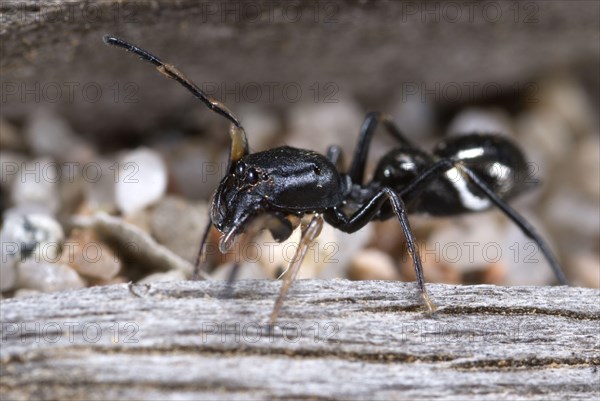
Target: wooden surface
column 335, row 339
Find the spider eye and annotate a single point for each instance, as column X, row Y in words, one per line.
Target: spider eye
column 252, row 177
column 240, row 169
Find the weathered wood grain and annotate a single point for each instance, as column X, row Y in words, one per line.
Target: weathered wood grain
column 335, row 339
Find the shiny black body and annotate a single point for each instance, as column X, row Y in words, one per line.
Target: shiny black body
column 279, row 182
column 463, row 174
column 292, row 181
column 278, row 187
column 495, row 159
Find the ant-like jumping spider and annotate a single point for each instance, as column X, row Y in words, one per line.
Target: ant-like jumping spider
column 275, row 188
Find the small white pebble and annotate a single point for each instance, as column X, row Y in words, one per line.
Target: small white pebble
column 569, row 99
column 34, row 234
column 339, row 248
column 546, row 136
column 90, row 257
column 195, row 170
column 49, row 134
column 47, row 277
column 8, row 270
column 373, row 264
column 142, row 180
column 26, row 292
column 414, row 117
column 247, row 270
column 174, row 275
column 100, row 176
column 262, row 127
column 37, row 184
column 179, row 225
column 478, row 120
column 317, row 126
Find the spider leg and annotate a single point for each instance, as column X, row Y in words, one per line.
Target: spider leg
column 367, row 212
column 357, row 168
column 309, row 234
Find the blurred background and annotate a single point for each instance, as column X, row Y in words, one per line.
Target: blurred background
column 108, row 168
